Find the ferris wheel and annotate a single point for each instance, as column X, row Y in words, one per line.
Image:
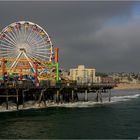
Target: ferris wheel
column 27, row 41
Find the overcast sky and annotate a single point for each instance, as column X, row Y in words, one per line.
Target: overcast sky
column 103, row 35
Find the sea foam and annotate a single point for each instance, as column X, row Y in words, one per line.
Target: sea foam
column 79, row 104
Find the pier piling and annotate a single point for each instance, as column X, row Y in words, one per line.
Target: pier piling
column 97, row 96
column 44, row 100
column 61, row 98
column 100, row 94
column 72, row 94
column 23, row 96
column 86, row 95
column 109, row 99
column 42, row 96
column 57, row 96
column 7, row 100
column 17, row 98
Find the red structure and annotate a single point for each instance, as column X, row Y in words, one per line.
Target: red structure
column 56, row 54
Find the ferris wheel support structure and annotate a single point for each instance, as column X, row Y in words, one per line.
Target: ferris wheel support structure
column 56, row 63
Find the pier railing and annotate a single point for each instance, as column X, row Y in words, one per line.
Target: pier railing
column 59, row 85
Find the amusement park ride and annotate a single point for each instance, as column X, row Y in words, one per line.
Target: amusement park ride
column 26, row 49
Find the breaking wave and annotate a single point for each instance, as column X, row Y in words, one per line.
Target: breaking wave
column 79, row 104
column 124, row 98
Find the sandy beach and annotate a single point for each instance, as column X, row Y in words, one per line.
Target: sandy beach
column 127, row 86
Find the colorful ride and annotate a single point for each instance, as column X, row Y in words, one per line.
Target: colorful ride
column 24, row 46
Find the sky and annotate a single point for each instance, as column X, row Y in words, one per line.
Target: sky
column 102, row 35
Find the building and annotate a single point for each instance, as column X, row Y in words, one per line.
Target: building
column 123, row 77
column 98, row 79
column 107, row 79
column 83, row 75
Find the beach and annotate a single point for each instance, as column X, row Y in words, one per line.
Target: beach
column 127, row 86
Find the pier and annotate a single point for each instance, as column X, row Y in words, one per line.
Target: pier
column 18, row 95
column 31, row 72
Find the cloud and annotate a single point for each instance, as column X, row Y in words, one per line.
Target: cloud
column 97, row 34
column 120, row 44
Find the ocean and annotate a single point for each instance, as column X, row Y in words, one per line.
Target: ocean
column 119, row 119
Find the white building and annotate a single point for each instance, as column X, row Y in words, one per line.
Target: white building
column 83, row 75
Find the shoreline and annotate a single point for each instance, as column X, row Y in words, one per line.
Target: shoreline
column 124, row 86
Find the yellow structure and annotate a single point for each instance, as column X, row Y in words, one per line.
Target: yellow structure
column 83, row 75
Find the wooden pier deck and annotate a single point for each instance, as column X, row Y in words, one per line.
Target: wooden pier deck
column 20, row 94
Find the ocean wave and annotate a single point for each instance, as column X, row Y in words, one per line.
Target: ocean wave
column 124, row 98
column 79, row 104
